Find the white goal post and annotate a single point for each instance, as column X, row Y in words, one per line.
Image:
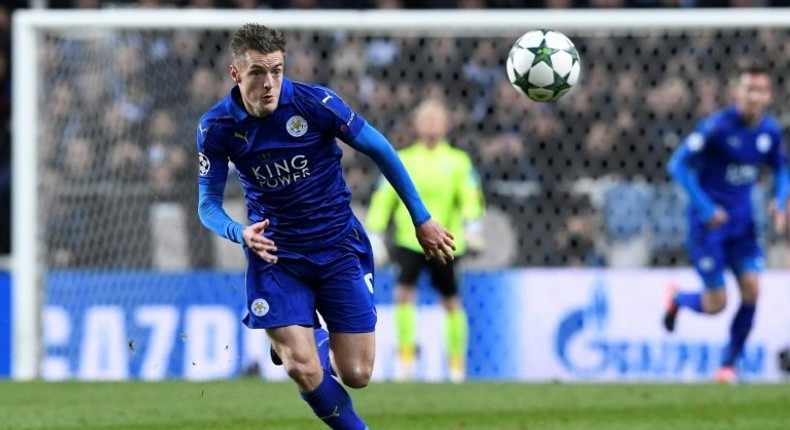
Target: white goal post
column 28, row 25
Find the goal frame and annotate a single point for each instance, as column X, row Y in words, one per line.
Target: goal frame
column 26, row 269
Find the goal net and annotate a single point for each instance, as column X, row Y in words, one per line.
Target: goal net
column 106, row 105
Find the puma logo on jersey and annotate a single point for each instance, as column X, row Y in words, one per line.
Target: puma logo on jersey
column 241, row 136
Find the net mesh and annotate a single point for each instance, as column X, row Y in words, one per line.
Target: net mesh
column 578, row 182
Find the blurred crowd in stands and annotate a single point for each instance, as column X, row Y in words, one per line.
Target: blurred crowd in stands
column 580, row 182
column 408, row 4
column 5, row 130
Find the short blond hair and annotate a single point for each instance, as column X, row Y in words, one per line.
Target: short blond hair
column 429, row 105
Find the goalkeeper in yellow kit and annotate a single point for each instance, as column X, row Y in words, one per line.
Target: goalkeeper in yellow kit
column 448, row 183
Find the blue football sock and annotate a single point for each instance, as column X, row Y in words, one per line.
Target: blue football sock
column 322, row 343
column 691, row 301
column 333, row 405
column 739, row 331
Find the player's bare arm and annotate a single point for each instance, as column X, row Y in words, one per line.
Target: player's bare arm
column 263, row 246
column 780, row 217
column 436, row 241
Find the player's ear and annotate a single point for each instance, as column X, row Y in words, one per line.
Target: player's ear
column 234, row 73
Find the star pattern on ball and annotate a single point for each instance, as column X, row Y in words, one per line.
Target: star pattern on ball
column 561, row 85
column 521, row 81
column 574, row 54
column 543, row 53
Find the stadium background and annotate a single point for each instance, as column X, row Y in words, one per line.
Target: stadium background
column 580, row 211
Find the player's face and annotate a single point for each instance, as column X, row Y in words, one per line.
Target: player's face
column 260, row 79
column 752, row 95
column 431, row 126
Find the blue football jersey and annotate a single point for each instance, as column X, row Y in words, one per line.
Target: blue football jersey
column 727, row 156
column 288, row 162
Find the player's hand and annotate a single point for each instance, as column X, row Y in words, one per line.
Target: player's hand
column 780, row 217
column 263, row 246
column 436, row 241
column 718, row 219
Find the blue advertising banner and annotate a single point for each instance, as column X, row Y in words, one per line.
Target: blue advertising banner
column 524, row 325
column 5, row 324
column 147, row 325
column 153, row 325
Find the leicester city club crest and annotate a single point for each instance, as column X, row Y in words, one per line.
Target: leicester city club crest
column 764, row 143
column 259, row 307
column 296, row 126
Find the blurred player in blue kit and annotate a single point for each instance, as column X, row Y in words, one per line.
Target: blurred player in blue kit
column 306, row 251
column 718, row 165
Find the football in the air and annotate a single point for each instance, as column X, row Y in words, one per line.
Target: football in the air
column 543, row 65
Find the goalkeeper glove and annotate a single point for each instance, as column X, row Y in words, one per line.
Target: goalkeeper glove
column 475, row 236
column 380, row 254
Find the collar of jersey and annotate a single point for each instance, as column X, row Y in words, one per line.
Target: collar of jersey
column 441, row 146
column 238, row 111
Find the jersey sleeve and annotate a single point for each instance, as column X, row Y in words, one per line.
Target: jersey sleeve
column 212, row 176
column 373, row 144
column 212, row 158
column 778, row 157
column 781, row 187
column 337, row 116
column 683, row 167
column 781, row 173
column 213, row 215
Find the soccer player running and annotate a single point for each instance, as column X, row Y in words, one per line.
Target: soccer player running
column 447, row 181
column 718, row 165
column 305, row 249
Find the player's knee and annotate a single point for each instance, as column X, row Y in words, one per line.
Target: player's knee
column 716, row 305
column 715, row 308
column 750, row 294
column 306, row 374
column 452, row 303
column 357, row 376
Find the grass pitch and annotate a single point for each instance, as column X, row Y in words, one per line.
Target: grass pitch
column 251, row 404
